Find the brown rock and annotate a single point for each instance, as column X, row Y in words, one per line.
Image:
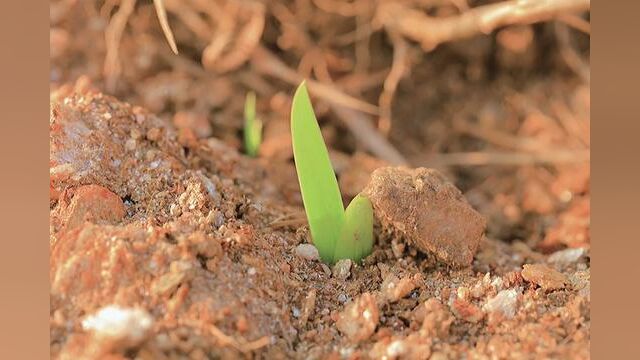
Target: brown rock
column 359, row 319
column 431, row 213
column 544, row 276
column 96, row 204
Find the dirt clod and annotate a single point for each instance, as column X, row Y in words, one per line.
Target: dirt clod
column 437, row 319
column 96, row 204
column 428, row 211
column 395, row 289
column 466, row 311
column 544, row 276
column 359, row 319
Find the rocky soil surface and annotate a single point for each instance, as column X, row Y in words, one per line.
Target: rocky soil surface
column 167, row 245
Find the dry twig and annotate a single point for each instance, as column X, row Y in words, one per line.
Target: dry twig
column 342, row 104
column 505, row 158
column 360, row 127
column 398, row 69
column 569, row 54
column 164, row 23
column 267, row 63
column 113, row 35
column 499, row 138
column 431, row 31
column 576, row 22
column 223, row 339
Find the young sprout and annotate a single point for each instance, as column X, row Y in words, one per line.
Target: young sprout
column 335, row 233
column 252, row 126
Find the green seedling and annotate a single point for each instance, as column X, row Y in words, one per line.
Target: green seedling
column 336, row 233
column 252, row 126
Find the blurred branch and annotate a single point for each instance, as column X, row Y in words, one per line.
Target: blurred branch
column 342, row 104
column 576, row 22
column 431, row 31
column 267, row 63
column 360, row 127
column 398, row 70
column 164, row 23
column 479, row 158
column 570, row 55
column 113, row 35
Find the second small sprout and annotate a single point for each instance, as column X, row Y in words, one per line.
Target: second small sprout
column 252, row 126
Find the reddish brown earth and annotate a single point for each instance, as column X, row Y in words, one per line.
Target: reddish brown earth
column 168, row 243
column 184, row 232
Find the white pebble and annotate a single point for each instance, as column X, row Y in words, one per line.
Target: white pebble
column 295, row 312
column 307, row 251
column 566, row 257
column 505, row 302
column 117, row 323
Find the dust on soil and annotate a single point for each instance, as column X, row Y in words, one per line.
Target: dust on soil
column 154, row 207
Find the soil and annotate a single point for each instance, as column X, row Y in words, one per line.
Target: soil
column 167, row 242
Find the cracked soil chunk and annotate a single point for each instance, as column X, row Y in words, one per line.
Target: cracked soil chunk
column 428, row 211
column 544, row 276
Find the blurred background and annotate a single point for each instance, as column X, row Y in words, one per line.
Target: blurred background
column 496, row 94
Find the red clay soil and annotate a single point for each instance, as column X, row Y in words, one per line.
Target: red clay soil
column 167, row 242
column 142, row 219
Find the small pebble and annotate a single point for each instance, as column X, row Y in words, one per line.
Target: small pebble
column 326, row 269
column 295, row 312
column 307, row 251
column 395, row 289
column 566, row 257
column 130, row 144
column 359, row 319
column 153, row 134
column 544, row 276
column 466, row 311
column 342, row 269
column 505, row 302
column 397, row 247
column 342, row 298
column 135, row 134
column 114, row 323
column 308, row 306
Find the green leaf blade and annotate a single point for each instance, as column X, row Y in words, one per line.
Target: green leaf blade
column 252, row 126
column 318, row 183
column 356, row 238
